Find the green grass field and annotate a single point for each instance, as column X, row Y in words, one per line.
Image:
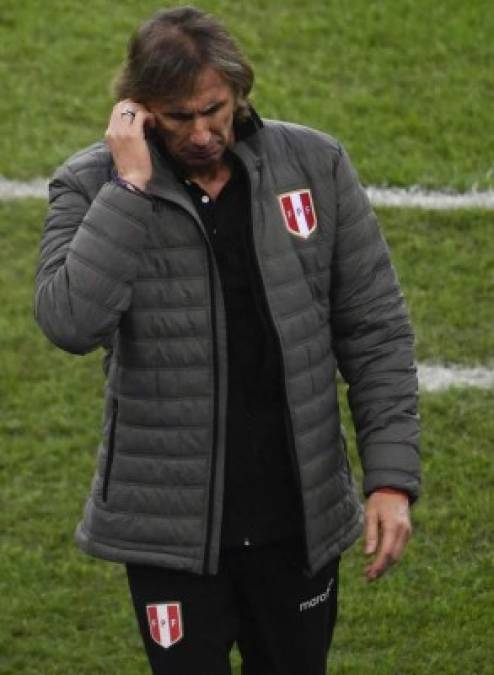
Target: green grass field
column 407, row 86
column 431, row 615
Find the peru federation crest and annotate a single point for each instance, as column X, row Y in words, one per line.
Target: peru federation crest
column 298, row 212
column 165, row 623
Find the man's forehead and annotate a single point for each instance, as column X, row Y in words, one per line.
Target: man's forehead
column 209, row 88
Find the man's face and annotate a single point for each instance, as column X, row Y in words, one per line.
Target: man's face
column 197, row 130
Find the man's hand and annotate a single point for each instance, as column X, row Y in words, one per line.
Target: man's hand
column 387, row 530
column 125, row 138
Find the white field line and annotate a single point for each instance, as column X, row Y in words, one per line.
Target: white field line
column 412, row 198
column 416, row 198
column 15, row 189
column 433, row 377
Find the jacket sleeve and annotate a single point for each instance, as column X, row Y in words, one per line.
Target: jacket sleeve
column 88, row 260
column 373, row 342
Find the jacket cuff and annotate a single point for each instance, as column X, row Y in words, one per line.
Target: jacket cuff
column 392, row 478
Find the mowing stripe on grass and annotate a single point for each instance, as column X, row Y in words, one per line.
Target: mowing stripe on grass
column 409, row 198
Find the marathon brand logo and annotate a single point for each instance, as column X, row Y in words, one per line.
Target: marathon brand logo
column 317, row 599
column 165, row 623
column 298, row 212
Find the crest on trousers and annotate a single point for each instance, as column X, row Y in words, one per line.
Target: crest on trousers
column 165, row 623
column 298, row 212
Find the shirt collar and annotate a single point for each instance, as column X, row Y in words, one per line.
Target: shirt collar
column 248, row 125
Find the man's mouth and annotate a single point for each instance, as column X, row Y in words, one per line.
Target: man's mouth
column 205, row 153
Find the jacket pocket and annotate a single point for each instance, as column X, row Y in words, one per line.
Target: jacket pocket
column 110, row 450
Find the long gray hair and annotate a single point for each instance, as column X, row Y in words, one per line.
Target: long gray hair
column 167, row 53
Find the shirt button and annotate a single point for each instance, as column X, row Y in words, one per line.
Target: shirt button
column 188, row 182
column 214, row 231
column 205, row 199
column 246, row 541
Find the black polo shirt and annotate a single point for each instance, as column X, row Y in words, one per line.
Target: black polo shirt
column 261, row 502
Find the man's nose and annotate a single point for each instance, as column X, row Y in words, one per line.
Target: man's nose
column 200, row 133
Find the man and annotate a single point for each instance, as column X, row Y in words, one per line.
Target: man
column 229, row 266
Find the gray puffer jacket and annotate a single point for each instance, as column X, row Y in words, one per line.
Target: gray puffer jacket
column 138, row 277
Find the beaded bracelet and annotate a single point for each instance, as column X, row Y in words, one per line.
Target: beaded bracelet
column 127, row 185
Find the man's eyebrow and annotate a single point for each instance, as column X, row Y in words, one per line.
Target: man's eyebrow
column 214, row 106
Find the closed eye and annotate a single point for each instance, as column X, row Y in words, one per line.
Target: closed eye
column 214, row 108
column 180, row 116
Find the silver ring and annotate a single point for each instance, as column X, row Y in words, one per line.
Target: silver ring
column 129, row 112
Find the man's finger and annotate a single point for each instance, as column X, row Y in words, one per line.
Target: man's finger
column 371, row 532
column 385, row 557
column 131, row 116
column 402, row 536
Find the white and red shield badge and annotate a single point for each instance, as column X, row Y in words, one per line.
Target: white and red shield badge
column 165, row 623
column 298, row 212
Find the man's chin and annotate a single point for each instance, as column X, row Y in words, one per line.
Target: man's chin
column 201, row 162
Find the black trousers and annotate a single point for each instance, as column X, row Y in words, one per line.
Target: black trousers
column 281, row 620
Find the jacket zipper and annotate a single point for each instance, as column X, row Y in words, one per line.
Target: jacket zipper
column 212, row 480
column 287, row 416
column 110, row 451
